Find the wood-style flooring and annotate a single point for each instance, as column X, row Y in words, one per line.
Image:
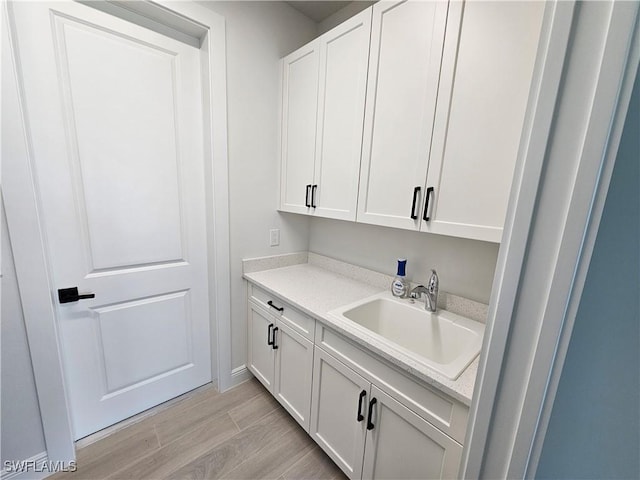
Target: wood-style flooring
column 239, row 434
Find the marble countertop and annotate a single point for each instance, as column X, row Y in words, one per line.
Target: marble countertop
column 316, row 290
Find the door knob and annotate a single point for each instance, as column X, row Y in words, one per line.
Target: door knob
column 68, row 295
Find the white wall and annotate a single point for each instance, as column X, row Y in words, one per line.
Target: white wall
column 22, row 435
column 258, row 35
column 343, row 14
column 594, row 430
column 465, row 267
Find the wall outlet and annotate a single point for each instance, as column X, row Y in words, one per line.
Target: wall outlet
column 274, row 237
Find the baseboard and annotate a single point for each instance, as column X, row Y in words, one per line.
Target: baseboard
column 34, row 468
column 239, row 374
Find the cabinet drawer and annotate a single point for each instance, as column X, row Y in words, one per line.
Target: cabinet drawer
column 444, row 412
column 297, row 320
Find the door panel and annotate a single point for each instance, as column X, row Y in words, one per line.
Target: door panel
column 260, row 353
column 334, row 409
column 115, row 124
column 399, row 433
column 294, row 366
column 344, row 58
column 137, row 201
column 299, row 110
column 404, row 66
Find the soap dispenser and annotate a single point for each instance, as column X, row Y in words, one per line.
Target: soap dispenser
column 400, row 286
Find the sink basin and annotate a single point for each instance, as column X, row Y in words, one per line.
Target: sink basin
column 443, row 341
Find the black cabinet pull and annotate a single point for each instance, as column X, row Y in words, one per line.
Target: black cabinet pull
column 306, row 196
column 313, row 196
column 426, row 217
column 269, row 340
column 370, row 425
column 414, row 215
column 275, row 347
column 280, row 309
column 68, row 295
column 363, row 393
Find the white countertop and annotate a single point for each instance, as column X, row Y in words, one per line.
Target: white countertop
column 316, row 291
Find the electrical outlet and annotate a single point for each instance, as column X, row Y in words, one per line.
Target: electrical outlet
column 274, row 237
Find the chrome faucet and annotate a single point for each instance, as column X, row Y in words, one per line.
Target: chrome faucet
column 430, row 292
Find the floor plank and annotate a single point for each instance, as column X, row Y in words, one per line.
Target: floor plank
column 234, row 451
column 243, row 433
column 315, row 465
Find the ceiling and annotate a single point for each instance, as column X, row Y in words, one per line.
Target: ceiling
column 318, row 10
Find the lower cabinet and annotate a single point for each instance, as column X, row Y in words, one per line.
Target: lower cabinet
column 369, row 434
column 282, row 360
column 374, row 421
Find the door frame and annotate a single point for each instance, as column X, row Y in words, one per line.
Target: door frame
column 183, row 21
column 550, row 229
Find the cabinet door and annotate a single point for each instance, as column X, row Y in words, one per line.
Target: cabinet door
column 344, row 54
column 293, row 371
column 299, row 111
column 404, row 65
column 337, row 399
column 402, row 445
column 260, row 353
column 487, row 68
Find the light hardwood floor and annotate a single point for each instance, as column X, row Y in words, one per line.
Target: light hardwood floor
column 240, row 434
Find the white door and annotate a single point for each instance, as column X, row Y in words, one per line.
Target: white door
column 293, row 372
column 402, row 445
column 339, row 412
column 344, row 55
column 260, row 349
column 404, row 65
column 299, row 110
column 114, row 118
column 490, row 48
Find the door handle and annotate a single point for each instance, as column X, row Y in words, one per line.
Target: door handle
column 306, row 196
column 425, row 217
column 313, row 196
column 68, row 295
column 360, row 416
column 370, row 425
column 273, row 344
column 269, row 340
column 414, row 215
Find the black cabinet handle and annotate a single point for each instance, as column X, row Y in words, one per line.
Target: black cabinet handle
column 313, row 196
column 414, row 215
column 275, row 347
column 269, row 340
column 363, row 393
column 426, row 217
column 306, row 196
column 68, row 295
column 271, row 304
column 370, row 425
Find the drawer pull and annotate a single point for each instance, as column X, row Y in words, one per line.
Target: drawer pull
column 271, row 304
column 269, row 338
column 273, row 341
column 370, row 425
column 363, row 393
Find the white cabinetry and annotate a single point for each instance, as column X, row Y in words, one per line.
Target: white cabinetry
column 404, row 64
column 280, row 352
column 376, row 423
column 323, row 98
column 447, row 85
column 487, row 66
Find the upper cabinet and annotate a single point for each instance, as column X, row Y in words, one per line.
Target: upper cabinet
column 487, row 66
column 404, row 65
column 322, row 116
column 433, row 148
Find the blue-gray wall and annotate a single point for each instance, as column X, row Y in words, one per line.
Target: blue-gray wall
column 594, row 431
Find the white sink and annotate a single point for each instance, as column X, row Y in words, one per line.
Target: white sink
column 443, row 341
